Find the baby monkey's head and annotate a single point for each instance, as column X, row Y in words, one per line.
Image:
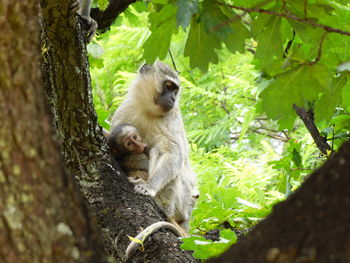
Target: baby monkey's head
column 125, row 139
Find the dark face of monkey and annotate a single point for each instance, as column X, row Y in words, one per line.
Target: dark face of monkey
column 160, row 84
column 125, row 139
column 167, row 97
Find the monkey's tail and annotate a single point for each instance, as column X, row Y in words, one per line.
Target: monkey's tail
column 133, row 246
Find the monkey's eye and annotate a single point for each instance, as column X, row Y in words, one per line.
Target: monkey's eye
column 129, row 143
column 170, row 85
column 135, row 137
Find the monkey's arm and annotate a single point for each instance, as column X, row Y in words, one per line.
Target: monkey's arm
column 163, row 168
column 83, row 8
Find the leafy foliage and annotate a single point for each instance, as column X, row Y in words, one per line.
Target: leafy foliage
column 204, row 248
column 248, row 147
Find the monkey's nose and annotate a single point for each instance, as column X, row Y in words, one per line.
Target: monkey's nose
column 139, row 149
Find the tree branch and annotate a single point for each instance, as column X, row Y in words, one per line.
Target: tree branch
column 271, row 135
column 319, row 52
column 105, row 18
column 308, row 119
column 288, row 16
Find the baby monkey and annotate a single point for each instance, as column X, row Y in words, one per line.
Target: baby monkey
column 129, row 150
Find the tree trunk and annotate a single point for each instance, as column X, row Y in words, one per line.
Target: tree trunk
column 119, row 211
column 43, row 218
column 312, row 225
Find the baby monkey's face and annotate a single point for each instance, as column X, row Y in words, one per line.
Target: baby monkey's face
column 133, row 143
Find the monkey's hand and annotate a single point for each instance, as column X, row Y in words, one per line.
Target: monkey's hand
column 137, row 177
column 144, row 189
column 75, row 6
column 92, row 30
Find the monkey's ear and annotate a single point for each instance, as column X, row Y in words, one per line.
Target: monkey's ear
column 145, row 68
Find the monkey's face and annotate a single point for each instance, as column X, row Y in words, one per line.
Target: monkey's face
column 168, row 95
column 156, row 89
column 133, row 143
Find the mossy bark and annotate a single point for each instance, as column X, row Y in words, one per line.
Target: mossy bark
column 42, row 218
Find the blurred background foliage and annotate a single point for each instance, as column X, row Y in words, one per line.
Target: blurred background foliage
column 246, row 147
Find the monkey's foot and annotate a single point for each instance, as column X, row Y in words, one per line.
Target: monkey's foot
column 74, row 6
column 142, row 189
column 92, row 30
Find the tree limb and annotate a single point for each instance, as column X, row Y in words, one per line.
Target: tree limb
column 105, row 18
column 271, row 135
column 308, row 119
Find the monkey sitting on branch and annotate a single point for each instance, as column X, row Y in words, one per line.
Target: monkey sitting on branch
column 127, row 148
column 151, row 105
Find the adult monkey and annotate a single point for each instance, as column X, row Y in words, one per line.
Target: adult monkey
column 151, row 105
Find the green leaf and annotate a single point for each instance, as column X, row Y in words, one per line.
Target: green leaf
column 261, row 196
column 186, row 9
column 346, row 95
column 200, row 47
column 102, row 4
column 299, row 86
column 229, row 235
column 247, row 203
column 204, row 248
column 131, row 17
column 139, row 6
column 296, row 157
column 161, row 2
column 95, row 52
column 325, row 107
column 163, row 26
column 251, row 3
column 215, row 21
column 269, row 51
column 248, row 118
column 236, row 41
column 307, row 33
column 340, row 118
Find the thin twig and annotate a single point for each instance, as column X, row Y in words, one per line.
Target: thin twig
column 271, row 135
column 173, row 61
column 319, row 53
column 288, row 16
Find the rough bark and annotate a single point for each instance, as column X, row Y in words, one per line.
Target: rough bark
column 105, row 18
column 43, row 218
column 310, row 226
column 119, row 211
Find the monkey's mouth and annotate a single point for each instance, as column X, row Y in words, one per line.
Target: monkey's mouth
column 139, row 149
